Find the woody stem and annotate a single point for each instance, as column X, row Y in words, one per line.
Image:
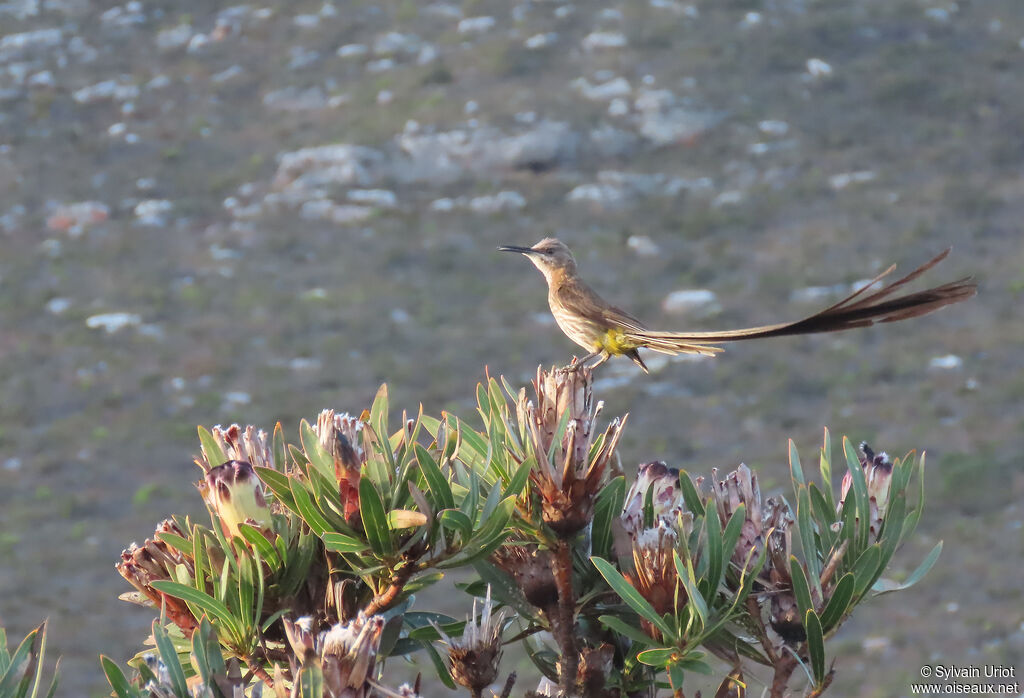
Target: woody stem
column 564, row 619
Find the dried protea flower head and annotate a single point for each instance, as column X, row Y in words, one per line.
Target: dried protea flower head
column 764, row 522
column 474, row 658
column 349, row 655
column 766, row 528
column 570, row 479
column 155, row 561
column 342, row 437
column 247, row 444
column 302, row 638
column 878, row 473
column 655, row 519
column 654, row 572
column 235, row 494
column 657, row 484
column 596, row 664
column 532, row 570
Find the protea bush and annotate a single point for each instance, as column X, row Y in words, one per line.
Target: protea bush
column 616, row 581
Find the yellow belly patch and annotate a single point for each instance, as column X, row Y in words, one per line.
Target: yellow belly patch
column 615, row 343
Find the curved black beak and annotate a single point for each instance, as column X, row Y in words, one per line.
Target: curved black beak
column 516, row 248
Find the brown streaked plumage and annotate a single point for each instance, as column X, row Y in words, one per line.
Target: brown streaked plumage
column 606, row 331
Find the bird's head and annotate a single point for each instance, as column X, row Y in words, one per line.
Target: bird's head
column 549, row 255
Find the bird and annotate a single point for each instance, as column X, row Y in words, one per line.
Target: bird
column 606, row 331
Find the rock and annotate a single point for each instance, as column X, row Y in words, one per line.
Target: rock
column 306, row 21
column 77, row 217
column 152, row 211
column 605, row 196
column 340, row 214
column 476, row 25
column 691, row 299
column 381, row 198
column 772, row 127
column 380, row 65
column 294, row 99
column 326, row 165
column 609, row 141
column 617, row 87
column 597, row 41
column 18, row 46
column 352, row 51
column 751, row 19
column 447, row 155
column 845, row 179
column 58, row 306
column 227, row 74
column 497, row 203
column 677, row 125
column 949, row 362
column 618, row 107
column 112, row 322
column 393, row 43
column 818, row 69
column 732, row 197
column 174, row 38
column 108, row 89
column 302, row 57
column 643, row 246
column 539, row 41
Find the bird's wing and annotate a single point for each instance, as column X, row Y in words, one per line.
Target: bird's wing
column 578, row 298
column 852, row 311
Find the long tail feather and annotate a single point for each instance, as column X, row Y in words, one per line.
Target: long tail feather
column 853, row 311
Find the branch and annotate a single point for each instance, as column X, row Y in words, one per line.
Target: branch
column 564, row 619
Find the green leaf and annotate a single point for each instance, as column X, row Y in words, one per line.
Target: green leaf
column 690, row 495
column 279, row 485
column 795, row 470
column 519, row 478
column 659, row 656
column 824, row 516
column 14, row 681
column 825, row 466
column 116, row 678
column 694, row 662
column 439, row 665
column 258, row 541
column 801, row 590
column 631, row 596
column 215, row 608
column 340, row 543
column 865, row 569
column 860, row 486
column 455, row 520
column 607, row 508
column 375, row 523
column 307, row 510
column 315, row 452
column 311, row 681
column 716, row 553
column 504, row 589
column 211, row 449
column 694, row 599
column 918, row 573
column 842, row 594
column 815, row 647
column 805, row 522
column 437, row 484
column 623, row 628
column 169, row 655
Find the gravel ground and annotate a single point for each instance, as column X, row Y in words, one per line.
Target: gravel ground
column 214, row 213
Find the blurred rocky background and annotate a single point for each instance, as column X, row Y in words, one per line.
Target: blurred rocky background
column 214, row 213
